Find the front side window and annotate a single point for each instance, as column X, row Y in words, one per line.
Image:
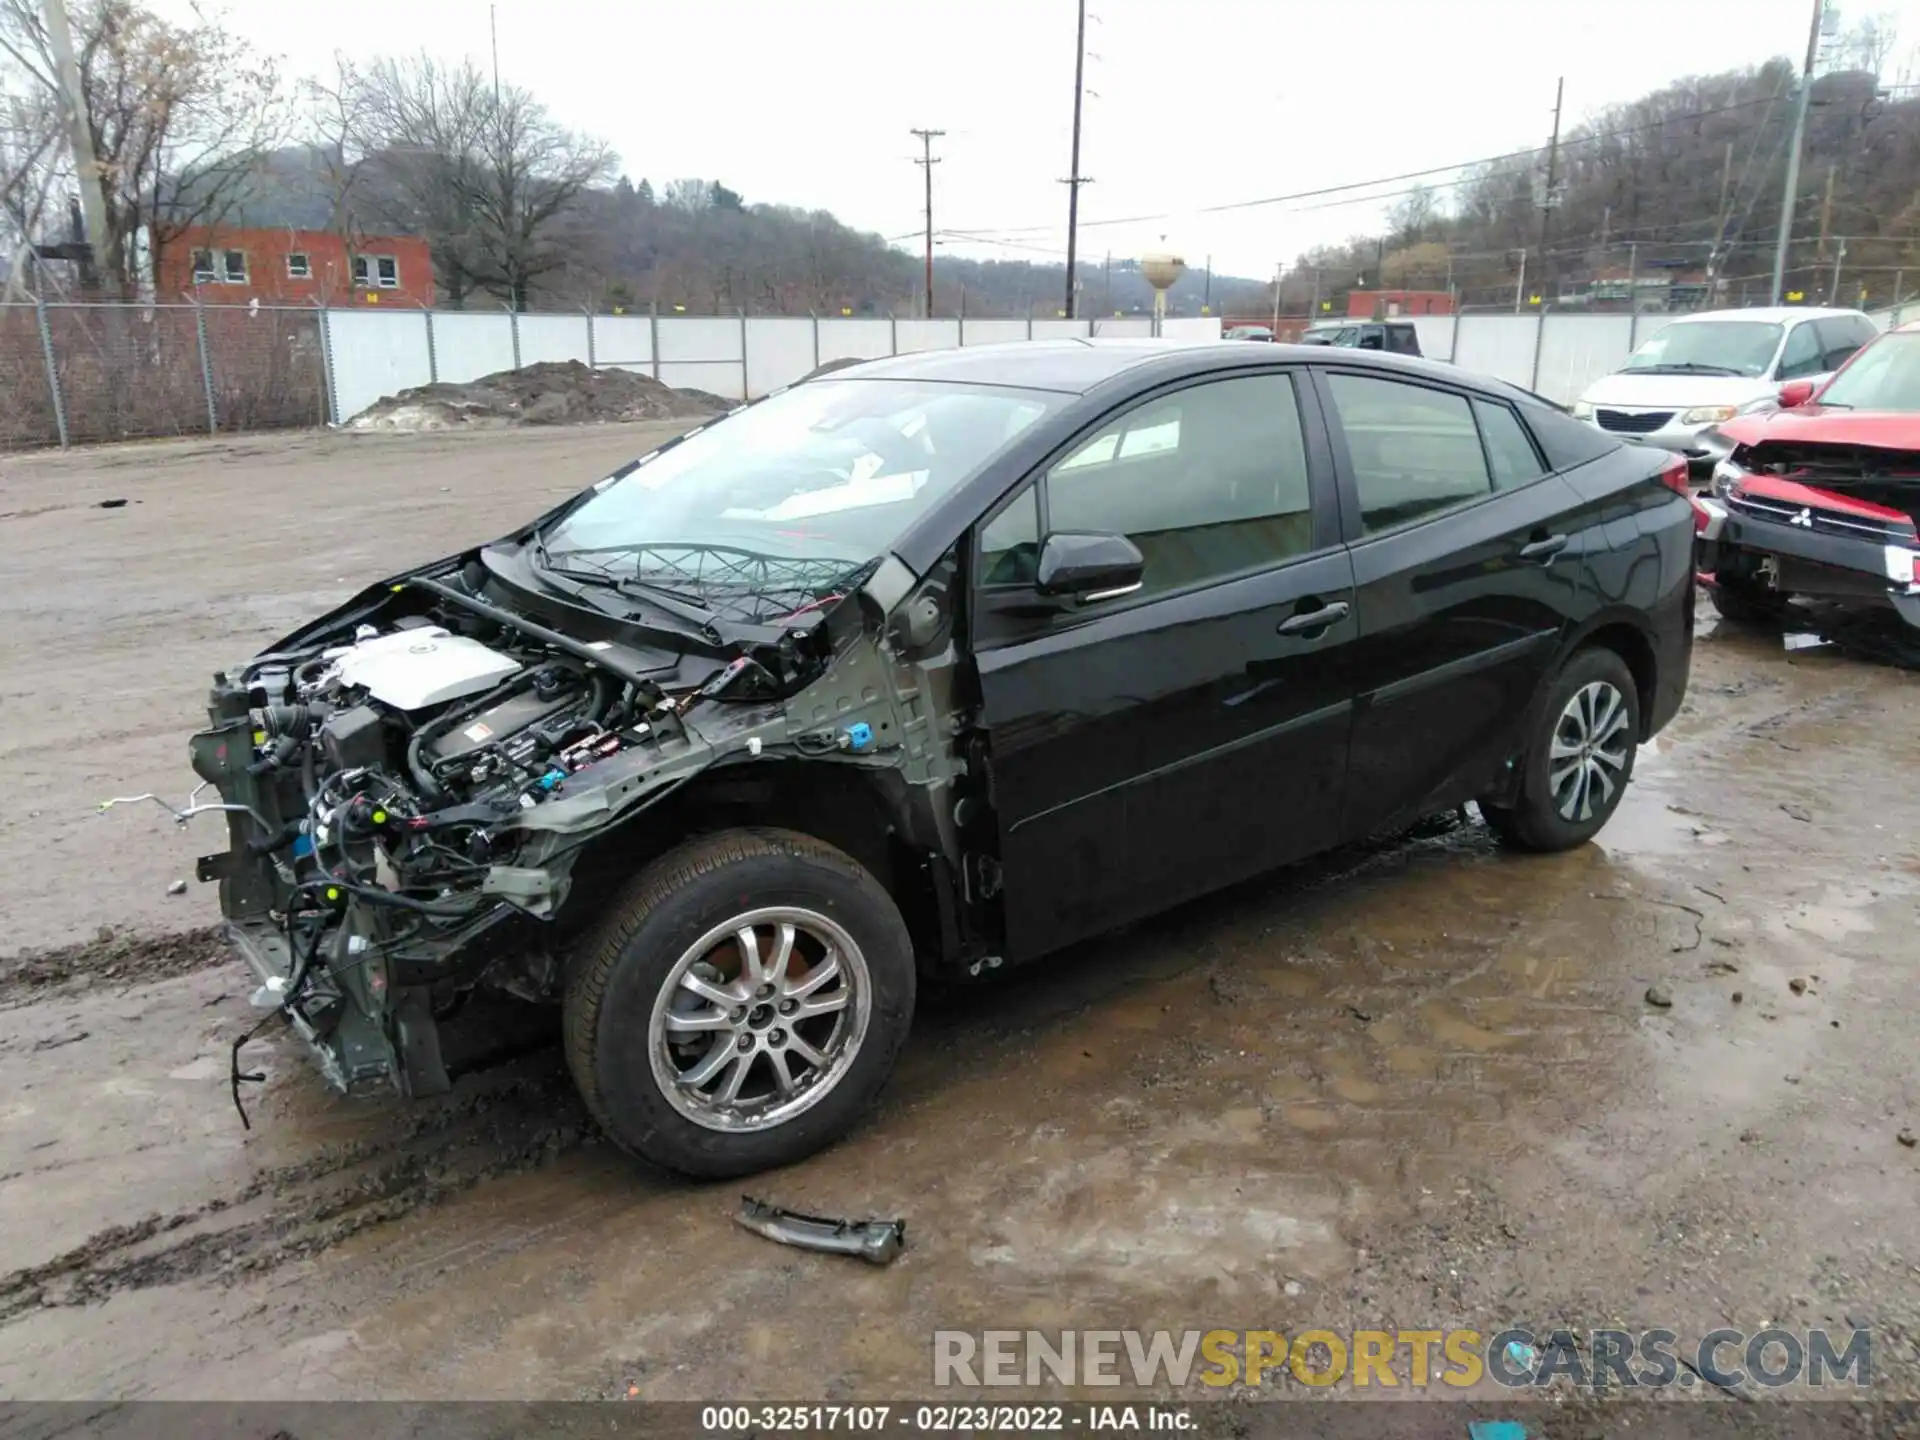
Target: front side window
column 1413, row 450
column 299, row 267
column 386, row 271
column 1708, row 347
column 234, row 267
column 203, row 271
column 1803, row 356
column 794, row 493
column 1209, row 481
column 1883, row 376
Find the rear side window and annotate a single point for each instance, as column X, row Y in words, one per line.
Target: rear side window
column 1510, row 453
column 1565, row 441
column 1414, row 451
column 1840, row 337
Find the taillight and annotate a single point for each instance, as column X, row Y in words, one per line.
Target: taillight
column 1674, row 476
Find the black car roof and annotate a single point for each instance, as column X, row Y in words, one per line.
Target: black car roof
column 1075, row 367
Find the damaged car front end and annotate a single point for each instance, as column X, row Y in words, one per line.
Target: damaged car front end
column 437, row 786
column 1820, row 500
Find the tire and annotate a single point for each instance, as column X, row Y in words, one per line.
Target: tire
column 1739, row 604
column 1594, row 691
column 638, row 1032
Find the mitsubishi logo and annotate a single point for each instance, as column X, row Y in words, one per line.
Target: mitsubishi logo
column 1804, row 520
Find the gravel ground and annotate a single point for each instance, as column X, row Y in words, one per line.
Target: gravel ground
column 1417, row 1086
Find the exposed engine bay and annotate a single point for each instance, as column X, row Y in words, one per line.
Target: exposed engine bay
column 409, row 782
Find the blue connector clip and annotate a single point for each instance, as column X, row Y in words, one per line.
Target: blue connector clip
column 859, row 737
column 551, row 780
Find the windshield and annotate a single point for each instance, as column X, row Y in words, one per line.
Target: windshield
column 1709, row 347
column 1884, row 376
column 821, row 479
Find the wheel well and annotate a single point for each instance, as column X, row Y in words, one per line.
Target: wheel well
column 841, row 805
column 1632, row 646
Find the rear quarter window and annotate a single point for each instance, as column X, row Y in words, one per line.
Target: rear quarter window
column 1565, row 441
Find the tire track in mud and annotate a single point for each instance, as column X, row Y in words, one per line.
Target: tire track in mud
column 109, row 958
column 518, row 1117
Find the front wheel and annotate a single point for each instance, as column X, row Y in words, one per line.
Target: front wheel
column 742, row 1002
column 1744, row 603
column 1579, row 758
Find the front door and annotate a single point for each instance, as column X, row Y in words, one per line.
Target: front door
column 1154, row 745
column 1466, row 556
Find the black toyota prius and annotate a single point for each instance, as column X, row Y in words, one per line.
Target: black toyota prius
column 929, row 666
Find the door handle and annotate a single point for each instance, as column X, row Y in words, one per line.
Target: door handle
column 1543, row 549
column 1306, row 621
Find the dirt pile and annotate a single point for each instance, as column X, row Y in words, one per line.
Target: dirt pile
column 549, row 393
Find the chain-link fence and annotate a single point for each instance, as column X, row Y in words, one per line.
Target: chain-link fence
column 82, row 373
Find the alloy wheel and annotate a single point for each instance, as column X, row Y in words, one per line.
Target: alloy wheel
column 1587, row 761
column 759, row 1019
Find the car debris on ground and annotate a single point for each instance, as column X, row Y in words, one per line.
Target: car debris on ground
column 878, row 1242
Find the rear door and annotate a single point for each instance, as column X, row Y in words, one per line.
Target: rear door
column 1150, row 746
column 1466, row 575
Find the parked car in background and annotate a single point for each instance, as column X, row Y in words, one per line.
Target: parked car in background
column 1249, row 332
column 1701, row 370
column 934, row 664
column 1395, row 337
column 1820, row 498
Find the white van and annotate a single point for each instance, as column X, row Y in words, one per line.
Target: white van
column 1702, row 369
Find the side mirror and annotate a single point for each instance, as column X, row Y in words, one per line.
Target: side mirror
column 1089, row 565
column 1795, row 392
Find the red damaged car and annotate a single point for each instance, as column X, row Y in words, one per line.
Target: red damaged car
column 1819, row 499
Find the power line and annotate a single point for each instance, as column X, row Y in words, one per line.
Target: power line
column 1590, row 138
column 926, row 162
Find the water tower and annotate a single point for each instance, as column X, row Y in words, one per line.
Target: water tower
column 1162, row 268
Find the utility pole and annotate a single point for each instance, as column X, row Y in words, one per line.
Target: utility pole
column 1720, row 218
column 86, row 161
column 1839, row 258
column 1279, row 274
column 926, row 162
column 1547, row 200
column 1074, row 178
column 1206, row 295
column 1826, row 211
column 1785, row 238
column 1106, row 293
column 1520, row 285
column 493, row 32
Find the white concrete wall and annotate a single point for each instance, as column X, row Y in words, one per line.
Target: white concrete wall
column 468, row 345
column 375, row 353
column 553, row 337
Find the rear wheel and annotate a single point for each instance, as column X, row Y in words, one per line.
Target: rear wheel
column 1579, row 758
column 741, row 1003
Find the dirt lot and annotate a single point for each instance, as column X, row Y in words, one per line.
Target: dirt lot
column 1421, row 1086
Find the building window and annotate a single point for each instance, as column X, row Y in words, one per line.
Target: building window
column 203, row 267
column 298, row 266
column 380, row 272
column 234, row 266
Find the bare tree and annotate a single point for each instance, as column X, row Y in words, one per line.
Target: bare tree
column 180, row 117
column 487, row 177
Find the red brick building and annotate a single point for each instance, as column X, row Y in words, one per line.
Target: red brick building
column 226, row 265
column 1390, row 304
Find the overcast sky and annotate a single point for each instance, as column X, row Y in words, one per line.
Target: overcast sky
column 1192, row 103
